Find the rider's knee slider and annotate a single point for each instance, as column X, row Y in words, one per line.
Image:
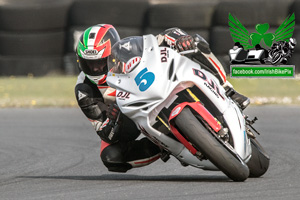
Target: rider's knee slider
column 113, row 159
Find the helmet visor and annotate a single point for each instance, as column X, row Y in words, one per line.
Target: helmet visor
column 93, row 67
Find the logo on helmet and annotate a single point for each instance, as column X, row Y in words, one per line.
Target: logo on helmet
column 89, row 52
column 92, row 53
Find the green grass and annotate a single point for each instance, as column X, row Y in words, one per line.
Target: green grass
column 58, row 91
column 37, row 92
column 274, row 91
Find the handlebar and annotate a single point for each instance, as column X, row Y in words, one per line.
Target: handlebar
column 189, row 51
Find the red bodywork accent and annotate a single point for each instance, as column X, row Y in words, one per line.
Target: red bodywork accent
column 201, row 110
column 220, row 71
column 113, row 94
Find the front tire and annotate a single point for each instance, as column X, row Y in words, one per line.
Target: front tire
column 205, row 142
column 259, row 161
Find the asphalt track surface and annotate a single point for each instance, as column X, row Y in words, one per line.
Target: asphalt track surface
column 53, row 153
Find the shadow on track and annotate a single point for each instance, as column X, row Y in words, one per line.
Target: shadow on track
column 125, row 177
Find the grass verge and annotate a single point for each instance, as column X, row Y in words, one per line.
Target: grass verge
column 37, row 92
column 269, row 91
column 58, row 91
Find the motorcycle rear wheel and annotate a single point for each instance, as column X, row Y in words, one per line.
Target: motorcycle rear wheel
column 259, row 161
column 205, row 142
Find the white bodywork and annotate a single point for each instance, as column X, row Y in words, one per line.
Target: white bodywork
column 143, row 106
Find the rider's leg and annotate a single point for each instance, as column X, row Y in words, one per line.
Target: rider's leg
column 209, row 61
column 122, row 156
column 128, row 152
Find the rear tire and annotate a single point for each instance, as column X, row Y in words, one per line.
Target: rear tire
column 259, row 162
column 224, row 159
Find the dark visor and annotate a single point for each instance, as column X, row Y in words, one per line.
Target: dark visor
column 93, row 67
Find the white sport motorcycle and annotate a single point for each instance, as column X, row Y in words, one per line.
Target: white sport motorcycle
column 183, row 109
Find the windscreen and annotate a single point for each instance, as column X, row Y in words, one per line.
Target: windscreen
column 125, row 55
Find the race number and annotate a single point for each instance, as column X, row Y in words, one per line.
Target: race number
column 144, row 79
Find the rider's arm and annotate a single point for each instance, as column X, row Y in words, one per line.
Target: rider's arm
column 175, row 37
column 91, row 103
column 169, row 36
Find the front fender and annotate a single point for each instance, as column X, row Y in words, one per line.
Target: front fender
column 201, row 110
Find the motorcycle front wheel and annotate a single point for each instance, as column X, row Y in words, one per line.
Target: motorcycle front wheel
column 214, row 150
column 259, row 161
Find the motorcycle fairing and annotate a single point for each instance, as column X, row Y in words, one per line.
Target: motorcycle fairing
column 169, row 76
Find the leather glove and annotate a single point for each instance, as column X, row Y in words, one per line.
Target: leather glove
column 109, row 131
column 113, row 112
column 185, row 43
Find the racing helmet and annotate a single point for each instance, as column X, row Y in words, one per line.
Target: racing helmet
column 126, row 55
column 94, row 47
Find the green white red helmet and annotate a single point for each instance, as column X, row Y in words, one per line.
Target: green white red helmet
column 94, row 46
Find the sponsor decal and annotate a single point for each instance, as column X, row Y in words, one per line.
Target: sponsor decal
column 176, row 111
column 164, row 53
column 81, row 95
column 123, row 95
column 111, row 134
column 209, row 83
column 125, row 46
column 132, row 63
column 90, row 52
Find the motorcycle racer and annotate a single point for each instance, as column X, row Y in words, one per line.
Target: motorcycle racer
column 120, row 150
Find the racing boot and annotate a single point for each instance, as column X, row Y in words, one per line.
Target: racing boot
column 240, row 99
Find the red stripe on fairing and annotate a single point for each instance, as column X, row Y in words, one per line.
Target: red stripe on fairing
column 113, row 94
column 103, row 145
column 148, row 161
column 223, row 76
